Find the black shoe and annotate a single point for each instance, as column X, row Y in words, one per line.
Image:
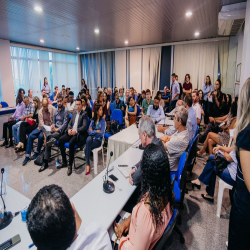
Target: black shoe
column 196, row 185
column 208, row 199
column 4, row 144
column 51, row 142
column 62, row 165
column 43, row 167
column 10, row 145
column 26, row 160
column 69, row 170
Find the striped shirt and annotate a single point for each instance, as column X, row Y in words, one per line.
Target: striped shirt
column 175, row 147
column 29, row 109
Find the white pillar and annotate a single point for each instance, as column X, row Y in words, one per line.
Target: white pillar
column 245, row 65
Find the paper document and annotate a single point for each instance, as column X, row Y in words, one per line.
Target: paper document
column 48, row 128
column 125, row 170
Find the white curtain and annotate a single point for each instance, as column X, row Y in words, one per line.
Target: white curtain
column 198, row 60
column 44, row 67
column 135, row 69
column 65, row 71
column 223, row 59
column 120, row 69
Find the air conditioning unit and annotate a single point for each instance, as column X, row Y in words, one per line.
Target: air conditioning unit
column 231, row 18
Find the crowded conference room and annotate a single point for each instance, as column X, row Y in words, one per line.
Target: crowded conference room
column 125, row 125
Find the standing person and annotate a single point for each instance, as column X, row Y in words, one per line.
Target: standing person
column 133, row 94
column 239, row 223
column 180, row 85
column 131, row 111
column 75, row 135
column 159, row 95
column 154, row 210
column 96, row 132
column 59, row 125
column 30, row 95
column 83, row 86
column 88, row 95
column 218, row 100
column 228, row 101
column 71, row 106
column 55, row 93
column 196, row 106
column 13, row 120
column 175, row 92
column 141, row 97
column 28, row 126
column 121, row 95
column 187, row 86
column 46, row 87
column 85, row 106
column 147, row 102
column 207, row 91
column 100, row 101
column 63, row 92
column 201, row 97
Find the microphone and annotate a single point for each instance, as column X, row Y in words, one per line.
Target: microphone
column 108, row 186
column 7, row 217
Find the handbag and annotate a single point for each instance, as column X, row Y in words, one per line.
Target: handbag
column 39, row 160
column 132, row 119
column 220, row 163
column 31, row 122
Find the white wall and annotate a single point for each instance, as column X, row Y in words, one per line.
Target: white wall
column 6, row 73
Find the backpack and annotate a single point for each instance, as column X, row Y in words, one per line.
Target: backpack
column 181, row 91
column 114, row 127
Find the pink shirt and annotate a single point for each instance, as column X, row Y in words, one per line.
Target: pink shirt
column 142, row 234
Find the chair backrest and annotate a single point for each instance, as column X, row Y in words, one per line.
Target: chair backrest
column 4, row 104
column 117, row 115
column 168, row 231
column 70, row 116
column 56, row 105
column 91, row 102
column 192, row 152
column 111, row 107
column 197, row 130
column 181, row 169
column 138, row 110
column 51, row 98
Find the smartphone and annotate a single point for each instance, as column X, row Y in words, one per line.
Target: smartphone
column 223, row 123
column 10, row 243
column 113, row 178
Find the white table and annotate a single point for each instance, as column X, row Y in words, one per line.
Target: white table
column 5, row 114
column 94, row 205
column 123, row 140
column 15, row 202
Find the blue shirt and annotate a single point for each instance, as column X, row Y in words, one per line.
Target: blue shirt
column 98, row 126
column 205, row 90
column 122, row 98
column 157, row 114
column 175, row 90
column 193, row 119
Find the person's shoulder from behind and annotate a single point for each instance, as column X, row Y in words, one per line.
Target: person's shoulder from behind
column 243, row 138
column 143, row 101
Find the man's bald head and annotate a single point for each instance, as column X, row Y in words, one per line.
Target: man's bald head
column 45, row 104
column 179, row 103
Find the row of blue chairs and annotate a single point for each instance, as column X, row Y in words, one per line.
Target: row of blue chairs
column 4, row 104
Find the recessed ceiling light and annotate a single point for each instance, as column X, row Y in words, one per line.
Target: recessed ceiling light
column 126, row 42
column 97, row 31
column 41, row 41
column 38, row 9
column 77, row 48
column 197, row 33
column 189, row 13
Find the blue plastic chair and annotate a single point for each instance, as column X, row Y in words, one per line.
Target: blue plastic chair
column 117, row 116
column 192, row 153
column 197, row 130
column 138, row 110
column 111, row 107
column 91, row 102
column 51, row 98
column 4, row 104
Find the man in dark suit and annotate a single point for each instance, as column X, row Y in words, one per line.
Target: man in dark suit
column 76, row 135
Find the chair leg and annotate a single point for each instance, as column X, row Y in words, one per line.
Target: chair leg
column 102, row 157
column 95, row 158
column 177, row 230
column 219, row 198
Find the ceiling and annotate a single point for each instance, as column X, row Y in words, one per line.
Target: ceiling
column 67, row 24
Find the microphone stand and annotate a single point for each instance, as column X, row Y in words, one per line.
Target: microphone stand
column 7, row 217
column 108, row 186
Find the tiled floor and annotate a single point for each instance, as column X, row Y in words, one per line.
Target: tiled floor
column 200, row 226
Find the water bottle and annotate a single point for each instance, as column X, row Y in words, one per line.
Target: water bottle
column 3, row 187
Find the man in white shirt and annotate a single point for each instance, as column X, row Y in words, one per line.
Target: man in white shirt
column 62, row 227
column 156, row 111
column 71, row 106
column 196, row 106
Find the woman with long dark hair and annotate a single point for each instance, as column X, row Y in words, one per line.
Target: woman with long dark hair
column 83, row 86
column 187, row 85
column 207, row 90
column 85, row 106
column 153, row 212
column 96, row 133
column 46, row 87
column 100, row 101
column 239, row 223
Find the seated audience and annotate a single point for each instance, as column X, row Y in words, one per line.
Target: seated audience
column 166, row 96
column 30, row 95
column 75, row 135
column 71, row 106
column 28, row 126
column 126, row 97
column 28, row 111
column 107, row 101
column 55, row 93
column 59, row 125
column 113, row 95
column 46, row 87
column 208, row 175
column 67, row 91
column 109, row 95
column 65, row 101
column 85, row 106
column 222, row 138
column 141, row 97
column 133, row 94
column 45, row 117
column 121, row 95
column 159, row 95
column 62, row 227
column 63, row 92
column 146, row 131
column 201, row 97
column 105, row 90
column 118, row 104
column 96, row 132
column 131, row 112
column 228, row 101
column 179, row 103
column 196, row 106
column 176, row 144
column 22, row 93
column 187, row 86
column 147, row 102
column 100, row 101
column 43, row 95
column 155, row 111
column 88, row 95
column 12, row 121
column 154, row 210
